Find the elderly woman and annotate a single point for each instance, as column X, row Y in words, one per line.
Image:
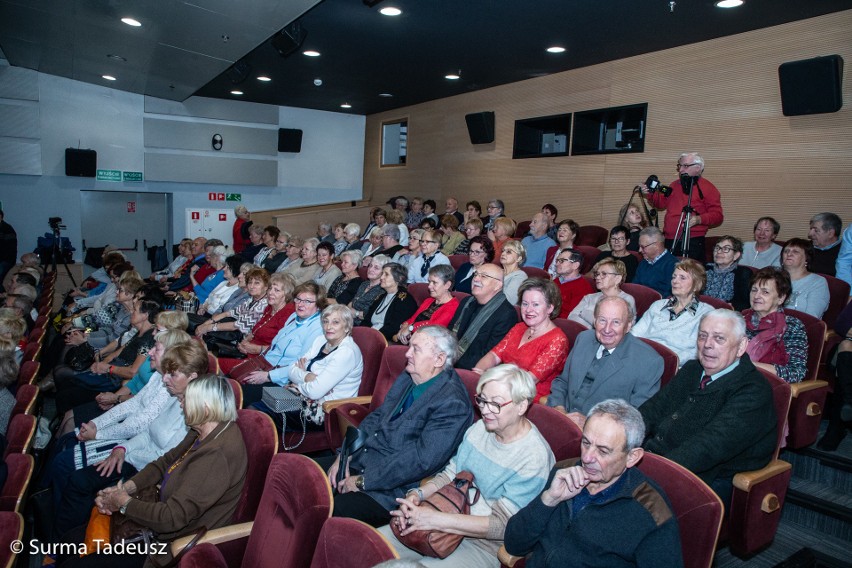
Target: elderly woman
column 513, row 257
column 179, row 366
column 232, row 325
column 227, row 295
column 240, row 230
column 392, row 307
column 566, row 236
column 438, row 309
column 340, row 242
column 536, row 343
column 472, row 228
column 481, row 252
column 277, row 257
column 513, row 473
column 495, row 210
column 632, row 217
column 618, row 237
column 405, row 258
column 777, row 342
column 763, row 251
column 374, row 242
column 415, row 214
column 255, row 233
column 8, row 377
column 202, row 288
column 609, row 274
column 674, row 321
column 396, row 218
column 293, row 251
column 452, row 237
column 429, row 207
column 726, row 279
column 189, row 497
column 184, row 255
column 473, row 210
column 268, row 237
column 291, row 342
column 352, row 235
column 13, row 329
column 330, row 369
column 277, row 312
column 418, row 268
column 345, row 286
column 307, row 267
column 328, row 272
column 369, row 290
column 810, row 291
column 501, row 232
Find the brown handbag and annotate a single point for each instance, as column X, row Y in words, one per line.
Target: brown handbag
column 451, row 498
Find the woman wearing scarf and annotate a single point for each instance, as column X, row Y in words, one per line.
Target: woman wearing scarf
column 776, row 341
column 726, row 279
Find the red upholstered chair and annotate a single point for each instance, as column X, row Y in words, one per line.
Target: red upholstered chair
column 28, row 372
column 533, row 272
column 571, row 329
column 419, row 291
column 758, row 498
column 296, row 502
column 350, row 412
column 362, row 272
column 25, row 400
column 522, row 229
column 593, row 235
column 715, row 302
column 459, row 295
column 671, row 361
column 20, row 472
column 456, row 260
column 20, row 434
column 698, row 509
column 561, row 433
column 36, row 335
column 470, row 380
column 589, row 256
column 350, row 543
column 238, row 392
column 709, row 243
column 838, row 296
column 809, row 395
column 643, row 295
column 11, row 528
column 212, row 364
column 31, row 352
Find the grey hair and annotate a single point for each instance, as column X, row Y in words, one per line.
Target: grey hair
column 631, row 313
column 445, row 342
column 325, row 226
column 391, row 231
column 313, row 242
column 652, row 232
column 375, row 232
column 736, row 318
column 354, row 256
column 380, row 260
column 343, row 312
column 498, row 203
column 240, row 210
column 829, row 220
column 520, row 382
column 352, row 229
column 402, row 200
column 444, row 272
column 622, row 412
column 698, row 159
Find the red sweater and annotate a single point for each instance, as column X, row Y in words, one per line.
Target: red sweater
column 709, row 208
column 572, row 292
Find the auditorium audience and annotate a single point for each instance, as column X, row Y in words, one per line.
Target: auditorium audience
column 726, row 279
column 810, row 291
column 609, row 274
column 391, row 245
column 825, row 231
column 763, row 251
column 405, row 256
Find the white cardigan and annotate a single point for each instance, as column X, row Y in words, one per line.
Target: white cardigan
column 679, row 335
column 338, row 375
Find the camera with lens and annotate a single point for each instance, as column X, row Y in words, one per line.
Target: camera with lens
column 653, row 184
column 55, row 223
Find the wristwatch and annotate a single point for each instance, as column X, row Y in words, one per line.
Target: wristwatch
column 359, row 483
column 123, row 508
column 411, row 327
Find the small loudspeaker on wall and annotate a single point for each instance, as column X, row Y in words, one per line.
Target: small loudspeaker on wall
column 81, row 163
column 289, row 140
column 480, row 127
column 811, row 86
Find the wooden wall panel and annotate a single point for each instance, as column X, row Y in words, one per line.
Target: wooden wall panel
column 720, row 98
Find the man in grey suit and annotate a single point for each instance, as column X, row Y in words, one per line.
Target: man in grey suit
column 606, row 362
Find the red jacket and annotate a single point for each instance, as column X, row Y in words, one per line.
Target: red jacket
column 709, row 208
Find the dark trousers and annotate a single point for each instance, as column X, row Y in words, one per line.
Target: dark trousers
column 356, row 505
column 696, row 248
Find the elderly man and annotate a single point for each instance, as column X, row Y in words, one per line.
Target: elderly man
column 418, row 270
column 390, row 242
column 30, row 262
column 606, row 362
column 601, row 511
column 324, row 232
column 482, row 320
column 572, row 286
column 453, row 209
column 716, row 417
column 537, row 242
column 763, row 251
column 825, row 230
column 410, row 436
column 657, row 268
column 200, row 268
column 495, row 209
column 706, row 204
column 239, row 232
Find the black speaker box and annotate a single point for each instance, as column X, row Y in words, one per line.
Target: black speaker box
column 81, row 163
column 480, row 127
column 289, row 140
column 811, row 86
column 289, row 39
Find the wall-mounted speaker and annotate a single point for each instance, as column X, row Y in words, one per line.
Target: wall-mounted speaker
column 811, row 86
column 289, row 39
column 289, row 140
column 480, row 127
column 81, row 163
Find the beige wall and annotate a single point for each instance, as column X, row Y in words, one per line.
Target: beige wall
column 720, row 98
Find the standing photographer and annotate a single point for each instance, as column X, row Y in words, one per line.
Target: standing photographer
column 706, row 205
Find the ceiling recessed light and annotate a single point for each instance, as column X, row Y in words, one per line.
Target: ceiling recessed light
column 390, row 11
column 729, row 3
column 236, row 92
column 345, row 105
column 264, row 78
column 108, row 77
column 116, row 57
column 386, row 95
column 311, row 53
column 452, row 76
column 556, row 49
column 131, row 22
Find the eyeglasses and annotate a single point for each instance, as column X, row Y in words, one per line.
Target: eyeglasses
column 596, row 274
column 429, row 242
column 494, row 407
column 285, row 243
column 561, row 260
column 476, row 251
column 617, row 239
column 684, row 166
column 304, row 301
column 726, row 249
column 641, row 246
column 484, row 275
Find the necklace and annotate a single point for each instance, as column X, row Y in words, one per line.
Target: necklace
column 386, row 302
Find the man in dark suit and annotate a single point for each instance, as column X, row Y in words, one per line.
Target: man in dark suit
column 716, row 417
column 412, row 435
column 482, row 320
column 657, row 268
column 606, row 362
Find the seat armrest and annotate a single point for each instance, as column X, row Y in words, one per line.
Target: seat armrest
column 798, row 388
column 216, row 536
column 505, row 558
column 745, row 480
column 330, row 405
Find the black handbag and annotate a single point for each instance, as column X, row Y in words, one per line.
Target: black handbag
column 353, row 442
column 227, row 351
column 80, row 357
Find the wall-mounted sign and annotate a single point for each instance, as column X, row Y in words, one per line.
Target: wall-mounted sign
column 196, row 216
column 109, row 175
column 223, row 217
column 233, row 197
column 132, row 176
column 131, row 207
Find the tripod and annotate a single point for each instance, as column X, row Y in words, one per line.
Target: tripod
column 651, row 214
column 684, row 226
column 56, row 253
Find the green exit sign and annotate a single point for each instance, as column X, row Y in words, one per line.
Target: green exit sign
column 109, row 175
column 233, row 197
column 132, row 176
